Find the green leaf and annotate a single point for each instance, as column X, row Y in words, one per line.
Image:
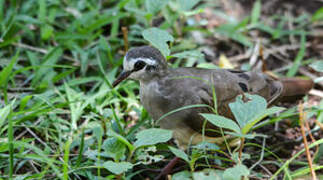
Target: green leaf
column 222, row 122
column 153, row 6
column 46, row 67
column 244, row 112
column 236, row 172
column 207, row 146
column 46, row 32
column 179, row 153
column 158, row 38
column 231, row 31
column 317, row 66
column 114, row 148
column 318, row 15
column 207, row 66
column 259, row 117
column 6, row 72
column 152, row 136
column 208, row 174
column 4, row 112
column 183, row 175
column 186, row 5
column 117, row 168
column 23, row 102
column 300, row 55
column 122, row 139
column 256, row 10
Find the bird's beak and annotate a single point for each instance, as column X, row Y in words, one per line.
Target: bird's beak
column 123, row 75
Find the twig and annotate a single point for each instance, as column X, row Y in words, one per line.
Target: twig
column 311, row 137
column 319, row 124
column 302, row 115
column 125, row 38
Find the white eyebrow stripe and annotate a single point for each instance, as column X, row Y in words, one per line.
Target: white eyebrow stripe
column 147, row 61
column 130, row 63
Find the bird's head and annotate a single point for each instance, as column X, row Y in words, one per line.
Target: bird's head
column 141, row 63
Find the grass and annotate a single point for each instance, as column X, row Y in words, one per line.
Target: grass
column 60, row 118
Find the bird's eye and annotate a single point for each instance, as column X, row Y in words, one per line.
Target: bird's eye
column 139, row 65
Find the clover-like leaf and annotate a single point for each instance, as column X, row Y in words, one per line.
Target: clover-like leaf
column 158, row 38
column 117, row 168
column 152, row 136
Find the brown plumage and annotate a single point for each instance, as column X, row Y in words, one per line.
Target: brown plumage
column 164, row 89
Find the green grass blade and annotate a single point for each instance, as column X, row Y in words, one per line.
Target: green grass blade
column 298, row 60
column 11, row 147
column 66, row 158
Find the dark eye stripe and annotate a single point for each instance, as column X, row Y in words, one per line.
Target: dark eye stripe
column 139, row 65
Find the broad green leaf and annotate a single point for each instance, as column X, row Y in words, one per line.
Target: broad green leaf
column 153, row 6
column 186, row 5
column 259, row 117
column 117, row 168
column 208, row 174
column 222, row 122
column 179, row 153
column 207, row 146
column 318, row 15
column 114, row 148
column 158, row 38
column 256, row 10
column 152, row 136
column 317, row 66
column 183, row 175
column 244, row 112
column 236, row 172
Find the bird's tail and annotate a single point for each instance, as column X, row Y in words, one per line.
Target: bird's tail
column 295, row 87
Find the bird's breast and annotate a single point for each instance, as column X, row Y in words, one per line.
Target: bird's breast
column 153, row 100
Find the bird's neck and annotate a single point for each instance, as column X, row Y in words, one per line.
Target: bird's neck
column 154, row 76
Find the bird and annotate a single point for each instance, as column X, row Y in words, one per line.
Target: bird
column 164, row 89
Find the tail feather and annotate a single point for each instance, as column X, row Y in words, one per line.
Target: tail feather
column 295, row 87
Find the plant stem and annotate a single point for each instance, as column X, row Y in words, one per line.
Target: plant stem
column 241, row 148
